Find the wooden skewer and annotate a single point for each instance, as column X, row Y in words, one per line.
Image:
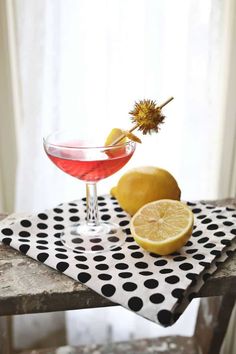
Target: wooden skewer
column 137, row 125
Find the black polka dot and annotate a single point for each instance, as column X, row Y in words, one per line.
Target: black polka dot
column 228, row 223
column 118, row 256
column 83, row 277
column 42, row 235
column 104, row 277
column 108, row 290
column 233, row 231
column 198, row 256
column 216, row 253
column 125, row 275
column 43, row 216
column 172, row 279
column 62, row 266
column 42, row 247
column 203, row 240
column 135, row 303
column 137, row 254
column 209, row 245
column 74, row 218
column 192, row 277
column 61, row 255
column 101, row 198
column 186, row 266
column 7, row 240
column 191, row 204
column 105, row 217
column 59, row 249
column 121, row 266
column 146, row 273
column 99, row 258
column 157, row 298
column 221, row 217
column 23, row 240
column 151, row 283
column 42, row 226
column 24, row 234
column 58, row 243
column 226, row 242
column 230, row 209
column 219, row 234
column 58, row 210
column 81, row 258
column 73, row 210
column 123, row 222
column 58, row 227
column 41, row 242
column 82, row 266
column 133, row 247
column 25, row 223
column 189, row 243
column 24, row 248
column 191, row 250
column 154, row 255
column 7, row 231
column 160, row 263
column 121, row 215
column 179, row 258
column 102, row 204
column 212, row 227
column 104, row 210
column 164, row 317
column 206, row 221
column 129, row 239
column 196, row 210
column 197, row 233
column 102, row 266
column 205, row 264
column 97, row 248
column 118, row 209
column 58, row 218
column 201, row 216
column 42, row 257
column 166, row 271
column 141, row 265
column 129, row 286
column 178, row 293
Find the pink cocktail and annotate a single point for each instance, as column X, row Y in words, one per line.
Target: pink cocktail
column 89, row 162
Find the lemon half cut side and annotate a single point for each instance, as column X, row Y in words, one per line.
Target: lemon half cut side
column 162, row 226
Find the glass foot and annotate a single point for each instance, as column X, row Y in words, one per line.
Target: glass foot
column 93, row 239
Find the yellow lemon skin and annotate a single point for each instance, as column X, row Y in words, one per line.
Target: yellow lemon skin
column 164, row 248
column 143, row 185
column 113, row 135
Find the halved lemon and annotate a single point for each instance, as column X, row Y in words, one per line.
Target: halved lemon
column 163, row 226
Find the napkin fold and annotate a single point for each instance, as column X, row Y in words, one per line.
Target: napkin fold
column 156, row 287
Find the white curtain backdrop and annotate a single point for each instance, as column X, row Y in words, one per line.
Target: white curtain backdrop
column 87, row 60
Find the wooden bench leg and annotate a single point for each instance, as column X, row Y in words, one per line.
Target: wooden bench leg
column 212, row 322
column 5, row 335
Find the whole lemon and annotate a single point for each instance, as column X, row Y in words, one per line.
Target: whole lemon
column 143, row 185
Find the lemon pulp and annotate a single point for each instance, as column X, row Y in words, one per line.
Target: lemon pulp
column 162, row 226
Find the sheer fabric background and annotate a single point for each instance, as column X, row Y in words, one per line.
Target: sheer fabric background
column 87, row 60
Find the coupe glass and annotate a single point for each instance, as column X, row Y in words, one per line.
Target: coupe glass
column 89, row 161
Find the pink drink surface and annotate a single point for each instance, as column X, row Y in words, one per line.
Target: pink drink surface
column 82, row 165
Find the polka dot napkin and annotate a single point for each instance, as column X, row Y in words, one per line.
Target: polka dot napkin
column 156, row 287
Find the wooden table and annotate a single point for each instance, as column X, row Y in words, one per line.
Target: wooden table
column 27, row 286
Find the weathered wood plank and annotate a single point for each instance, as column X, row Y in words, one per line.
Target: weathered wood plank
column 27, row 286
column 164, row 345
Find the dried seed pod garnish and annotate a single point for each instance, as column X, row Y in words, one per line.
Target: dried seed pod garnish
column 147, row 115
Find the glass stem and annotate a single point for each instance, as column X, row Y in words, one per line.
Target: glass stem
column 92, row 205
